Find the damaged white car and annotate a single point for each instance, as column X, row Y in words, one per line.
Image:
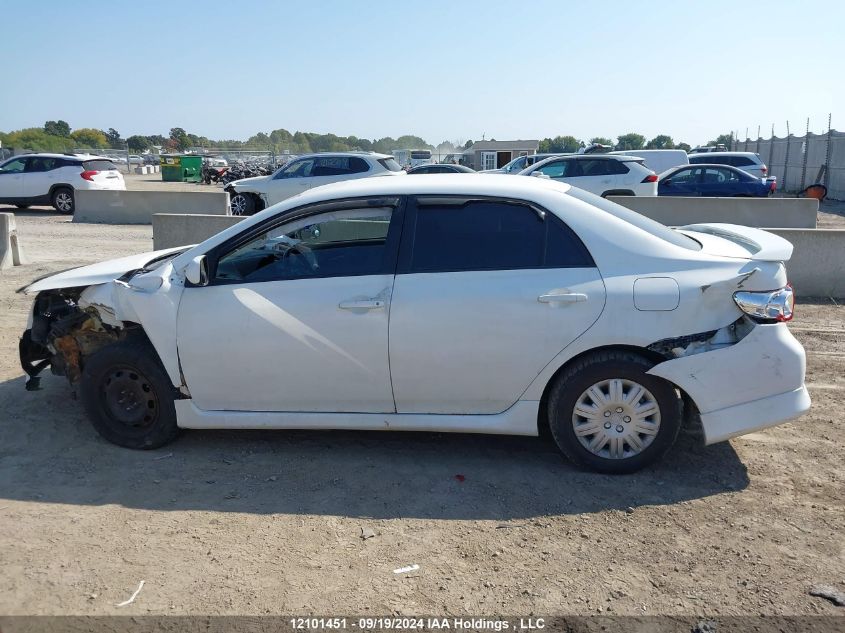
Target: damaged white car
column 477, row 304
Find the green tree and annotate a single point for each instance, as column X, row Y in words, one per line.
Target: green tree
column 138, row 143
column 113, row 137
column 601, row 140
column 89, row 138
column 36, row 139
column 57, row 128
column 468, row 144
column 560, row 145
column 661, row 141
column 723, row 139
column 684, row 146
column 630, row 141
column 178, row 139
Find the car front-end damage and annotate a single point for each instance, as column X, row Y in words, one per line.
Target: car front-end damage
column 78, row 312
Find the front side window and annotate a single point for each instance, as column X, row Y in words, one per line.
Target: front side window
column 14, row 166
column 296, row 169
column 338, row 243
column 559, row 169
column 491, row 235
column 685, row 176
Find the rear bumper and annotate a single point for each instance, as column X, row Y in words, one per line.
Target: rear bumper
column 754, row 384
column 752, row 416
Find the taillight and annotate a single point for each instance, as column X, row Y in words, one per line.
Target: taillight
column 773, row 186
column 650, row 178
column 769, row 306
column 89, row 175
column 764, row 170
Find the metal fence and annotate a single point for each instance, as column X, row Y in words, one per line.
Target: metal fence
column 801, row 161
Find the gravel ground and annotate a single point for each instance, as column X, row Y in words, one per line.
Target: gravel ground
column 254, row 523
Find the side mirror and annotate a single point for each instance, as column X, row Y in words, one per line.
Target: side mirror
column 196, row 271
column 666, row 182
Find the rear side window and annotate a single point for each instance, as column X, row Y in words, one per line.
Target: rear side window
column 98, row 165
column 491, row 235
column 338, row 166
column 389, row 164
column 601, row 167
column 41, row 163
column 742, row 161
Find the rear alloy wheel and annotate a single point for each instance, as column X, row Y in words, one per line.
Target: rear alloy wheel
column 128, row 396
column 607, row 414
column 242, row 204
column 63, row 201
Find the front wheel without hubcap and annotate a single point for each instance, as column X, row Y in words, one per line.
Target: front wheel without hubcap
column 128, row 396
column 607, row 414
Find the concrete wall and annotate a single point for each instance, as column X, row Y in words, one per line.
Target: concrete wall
column 170, row 230
column 758, row 212
column 11, row 253
column 817, row 267
column 138, row 207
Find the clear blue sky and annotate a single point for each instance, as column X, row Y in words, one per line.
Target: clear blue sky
column 440, row 69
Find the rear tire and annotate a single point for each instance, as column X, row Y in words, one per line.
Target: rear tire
column 128, row 396
column 63, row 200
column 242, row 204
column 607, row 414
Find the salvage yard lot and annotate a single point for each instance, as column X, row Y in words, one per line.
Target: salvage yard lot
column 249, row 522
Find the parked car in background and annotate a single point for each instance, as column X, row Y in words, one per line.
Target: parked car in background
column 135, row 159
column 746, row 161
column 519, row 163
column 658, row 160
column 249, row 195
column 507, row 305
column 54, row 179
column 601, row 174
column 708, row 148
column 712, row 180
column 441, row 169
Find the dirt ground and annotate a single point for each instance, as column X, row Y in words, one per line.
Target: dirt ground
column 255, row 523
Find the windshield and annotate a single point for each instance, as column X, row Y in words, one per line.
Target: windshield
column 640, row 221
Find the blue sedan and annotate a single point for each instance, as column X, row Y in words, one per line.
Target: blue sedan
column 711, row 180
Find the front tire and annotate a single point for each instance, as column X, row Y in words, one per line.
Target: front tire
column 242, row 204
column 128, row 396
column 63, row 200
column 607, row 414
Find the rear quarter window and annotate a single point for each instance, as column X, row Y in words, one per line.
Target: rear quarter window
column 389, row 164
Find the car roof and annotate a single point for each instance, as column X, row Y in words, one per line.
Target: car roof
column 359, row 154
column 706, row 154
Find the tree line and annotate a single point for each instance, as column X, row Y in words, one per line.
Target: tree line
column 57, row 136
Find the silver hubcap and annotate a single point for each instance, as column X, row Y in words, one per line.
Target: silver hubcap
column 238, row 205
column 616, row 418
column 64, row 202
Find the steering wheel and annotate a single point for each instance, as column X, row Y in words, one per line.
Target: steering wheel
column 306, row 253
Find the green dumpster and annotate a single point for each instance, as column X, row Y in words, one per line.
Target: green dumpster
column 181, row 168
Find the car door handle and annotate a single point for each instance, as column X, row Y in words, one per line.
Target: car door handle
column 562, row 297
column 365, row 304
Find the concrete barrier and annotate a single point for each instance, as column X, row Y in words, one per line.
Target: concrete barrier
column 800, row 213
column 817, row 267
column 171, row 230
column 138, row 207
column 11, row 253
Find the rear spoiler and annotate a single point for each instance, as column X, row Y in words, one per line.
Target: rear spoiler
column 762, row 245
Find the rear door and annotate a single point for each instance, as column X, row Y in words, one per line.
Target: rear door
column 36, row 175
column 720, row 181
column 11, row 179
column 487, row 293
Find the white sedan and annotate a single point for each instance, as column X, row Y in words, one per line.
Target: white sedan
column 486, row 304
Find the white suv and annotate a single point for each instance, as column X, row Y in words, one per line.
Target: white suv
column 746, row 161
column 249, row 195
column 36, row 179
column 601, row 174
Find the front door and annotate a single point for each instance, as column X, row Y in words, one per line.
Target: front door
column 295, row 317
column 487, row 293
column 11, row 179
